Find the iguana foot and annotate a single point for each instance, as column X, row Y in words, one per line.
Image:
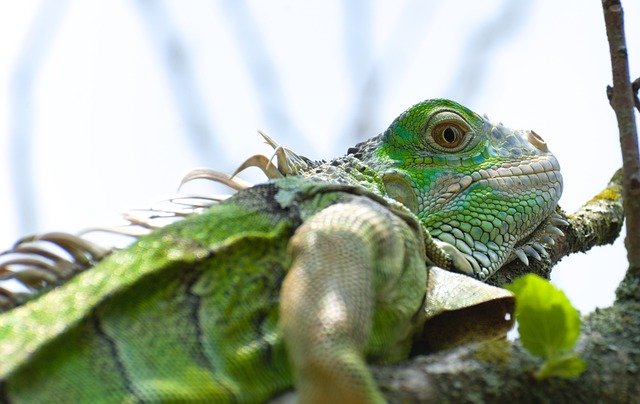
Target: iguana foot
column 544, row 234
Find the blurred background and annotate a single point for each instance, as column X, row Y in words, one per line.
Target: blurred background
column 104, row 105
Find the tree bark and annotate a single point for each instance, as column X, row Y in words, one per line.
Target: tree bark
column 501, row 371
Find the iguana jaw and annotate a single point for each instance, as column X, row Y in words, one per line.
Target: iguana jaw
column 515, row 177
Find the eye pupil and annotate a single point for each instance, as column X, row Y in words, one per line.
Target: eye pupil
column 449, row 135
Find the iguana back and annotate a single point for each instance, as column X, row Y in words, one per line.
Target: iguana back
column 171, row 326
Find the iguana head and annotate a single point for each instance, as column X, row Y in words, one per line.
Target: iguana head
column 475, row 185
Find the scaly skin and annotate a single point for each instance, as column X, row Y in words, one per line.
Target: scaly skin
column 301, row 281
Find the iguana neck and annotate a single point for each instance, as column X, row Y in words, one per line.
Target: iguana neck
column 352, row 169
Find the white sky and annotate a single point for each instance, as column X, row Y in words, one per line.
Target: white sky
column 107, row 132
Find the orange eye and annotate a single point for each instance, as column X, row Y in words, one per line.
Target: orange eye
column 448, row 135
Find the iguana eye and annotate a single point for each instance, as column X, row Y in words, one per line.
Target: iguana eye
column 448, row 132
column 447, row 135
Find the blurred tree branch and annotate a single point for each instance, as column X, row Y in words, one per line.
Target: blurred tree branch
column 477, row 56
column 263, row 72
column 183, row 83
column 41, row 33
column 369, row 88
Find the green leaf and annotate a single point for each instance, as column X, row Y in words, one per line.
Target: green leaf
column 547, row 322
column 567, row 366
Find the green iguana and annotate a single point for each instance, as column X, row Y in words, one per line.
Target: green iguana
column 301, row 280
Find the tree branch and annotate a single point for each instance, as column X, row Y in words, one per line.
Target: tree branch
column 499, row 371
column 622, row 101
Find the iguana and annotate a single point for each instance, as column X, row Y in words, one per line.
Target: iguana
column 300, row 280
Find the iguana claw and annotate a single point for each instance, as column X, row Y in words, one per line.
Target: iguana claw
column 459, row 260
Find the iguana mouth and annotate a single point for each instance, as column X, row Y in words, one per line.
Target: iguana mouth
column 525, row 175
column 519, row 176
column 535, row 182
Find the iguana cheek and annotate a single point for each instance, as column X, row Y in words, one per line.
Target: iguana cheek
column 398, row 188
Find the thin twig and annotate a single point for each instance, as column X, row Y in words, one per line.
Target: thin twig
column 635, row 86
column 622, row 101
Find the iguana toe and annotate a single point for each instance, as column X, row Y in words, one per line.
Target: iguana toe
column 459, row 260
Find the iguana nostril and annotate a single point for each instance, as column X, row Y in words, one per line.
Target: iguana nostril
column 537, row 141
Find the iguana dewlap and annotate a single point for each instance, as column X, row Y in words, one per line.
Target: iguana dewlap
column 302, row 280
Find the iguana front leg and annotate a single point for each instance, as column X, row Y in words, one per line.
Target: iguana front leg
column 356, row 282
